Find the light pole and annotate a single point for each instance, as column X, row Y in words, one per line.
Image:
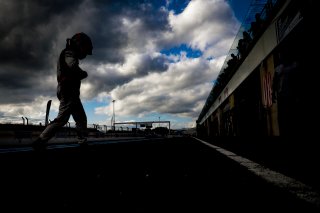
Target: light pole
column 114, row 116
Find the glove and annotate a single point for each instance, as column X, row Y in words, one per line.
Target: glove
column 83, row 75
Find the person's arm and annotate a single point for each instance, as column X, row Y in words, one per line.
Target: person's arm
column 73, row 63
column 275, row 83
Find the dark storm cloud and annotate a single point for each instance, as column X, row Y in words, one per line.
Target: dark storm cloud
column 30, row 28
column 111, row 38
column 21, row 85
column 152, row 64
column 25, row 39
column 32, row 34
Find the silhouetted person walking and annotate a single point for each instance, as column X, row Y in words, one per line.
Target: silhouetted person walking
column 69, row 76
column 285, row 93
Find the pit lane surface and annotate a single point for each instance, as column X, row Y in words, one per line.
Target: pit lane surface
column 151, row 175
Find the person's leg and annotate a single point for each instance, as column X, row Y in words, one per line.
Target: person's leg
column 65, row 109
column 80, row 118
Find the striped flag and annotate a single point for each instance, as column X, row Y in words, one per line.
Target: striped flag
column 267, row 90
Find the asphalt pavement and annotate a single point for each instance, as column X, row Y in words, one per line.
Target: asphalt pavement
column 154, row 175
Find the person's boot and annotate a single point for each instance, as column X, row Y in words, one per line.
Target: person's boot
column 82, row 141
column 39, row 144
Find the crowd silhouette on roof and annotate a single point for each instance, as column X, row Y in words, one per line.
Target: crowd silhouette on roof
column 245, row 44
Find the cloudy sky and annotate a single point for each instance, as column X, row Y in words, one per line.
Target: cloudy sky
column 156, row 58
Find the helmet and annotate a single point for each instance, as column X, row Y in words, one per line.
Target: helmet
column 82, row 42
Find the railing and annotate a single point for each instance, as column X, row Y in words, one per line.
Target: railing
column 18, row 129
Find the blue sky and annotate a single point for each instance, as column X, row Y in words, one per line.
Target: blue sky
column 155, row 58
column 240, row 8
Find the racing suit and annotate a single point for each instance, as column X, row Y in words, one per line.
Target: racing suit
column 69, row 76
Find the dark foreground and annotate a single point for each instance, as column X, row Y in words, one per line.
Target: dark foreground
column 166, row 175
